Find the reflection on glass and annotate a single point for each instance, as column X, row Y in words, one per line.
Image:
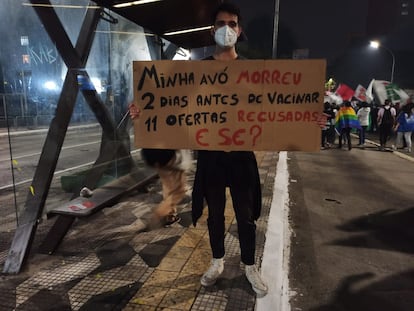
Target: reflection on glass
column 32, row 77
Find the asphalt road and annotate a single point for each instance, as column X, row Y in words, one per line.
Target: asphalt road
column 79, row 151
column 81, row 146
column 352, row 219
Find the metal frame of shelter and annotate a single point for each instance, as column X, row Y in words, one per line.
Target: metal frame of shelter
column 114, row 139
column 159, row 18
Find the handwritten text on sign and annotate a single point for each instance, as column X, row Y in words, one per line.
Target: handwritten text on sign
column 231, row 105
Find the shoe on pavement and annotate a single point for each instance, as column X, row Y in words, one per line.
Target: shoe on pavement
column 214, row 271
column 170, row 219
column 256, row 280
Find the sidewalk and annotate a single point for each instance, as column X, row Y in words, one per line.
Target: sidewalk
column 107, row 261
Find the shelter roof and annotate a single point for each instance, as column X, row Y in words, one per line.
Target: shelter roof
column 164, row 16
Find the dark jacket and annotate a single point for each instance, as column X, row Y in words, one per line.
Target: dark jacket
column 219, row 167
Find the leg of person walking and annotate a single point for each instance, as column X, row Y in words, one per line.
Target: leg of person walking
column 388, row 134
column 407, row 136
column 382, row 136
column 362, row 135
column 398, row 140
column 323, row 138
column 341, row 135
column 331, row 136
column 348, row 137
column 173, row 189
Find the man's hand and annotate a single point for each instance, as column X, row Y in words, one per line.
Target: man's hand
column 134, row 111
column 321, row 120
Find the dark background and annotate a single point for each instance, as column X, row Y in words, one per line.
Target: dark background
column 339, row 31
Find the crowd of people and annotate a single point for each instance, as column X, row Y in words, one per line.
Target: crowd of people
column 390, row 123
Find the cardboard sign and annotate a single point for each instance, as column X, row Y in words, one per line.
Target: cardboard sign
column 229, row 105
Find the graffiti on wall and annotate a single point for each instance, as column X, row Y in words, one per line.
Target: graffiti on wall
column 42, row 54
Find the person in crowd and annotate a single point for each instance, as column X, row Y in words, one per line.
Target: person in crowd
column 328, row 130
column 332, row 134
column 346, row 120
column 374, row 118
column 171, row 166
column 363, row 117
column 404, row 127
column 386, row 121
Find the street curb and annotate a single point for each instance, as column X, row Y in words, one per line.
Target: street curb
column 397, row 153
column 404, row 156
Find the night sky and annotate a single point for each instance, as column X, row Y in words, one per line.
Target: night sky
column 323, row 26
column 338, row 31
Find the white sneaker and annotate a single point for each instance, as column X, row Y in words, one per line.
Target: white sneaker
column 256, row 281
column 214, row 271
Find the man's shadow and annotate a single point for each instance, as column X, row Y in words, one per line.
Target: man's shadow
column 393, row 293
column 393, row 230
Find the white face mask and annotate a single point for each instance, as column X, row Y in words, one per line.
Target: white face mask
column 225, row 37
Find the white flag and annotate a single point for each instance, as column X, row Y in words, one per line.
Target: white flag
column 386, row 90
column 369, row 91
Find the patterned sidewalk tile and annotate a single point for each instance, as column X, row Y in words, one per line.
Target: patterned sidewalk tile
column 109, row 262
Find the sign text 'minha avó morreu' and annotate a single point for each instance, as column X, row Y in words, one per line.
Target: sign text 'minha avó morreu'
column 229, row 105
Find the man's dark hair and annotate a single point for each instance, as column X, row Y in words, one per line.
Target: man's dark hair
column 227, row 7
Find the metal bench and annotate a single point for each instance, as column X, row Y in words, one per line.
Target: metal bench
column 102, row 197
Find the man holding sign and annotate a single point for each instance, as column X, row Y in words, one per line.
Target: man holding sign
column 226, row 108
column 237, row 170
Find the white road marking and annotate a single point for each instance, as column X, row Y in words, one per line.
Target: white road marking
column 56, row 174
column 28, row 155
column 275, row 263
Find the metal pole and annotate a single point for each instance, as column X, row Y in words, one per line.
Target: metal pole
column 24, row 93
column 393, row 67
column 275, row 29
column 376, row 45
column 4, row 105
column 393, row 62
column 11, row 160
